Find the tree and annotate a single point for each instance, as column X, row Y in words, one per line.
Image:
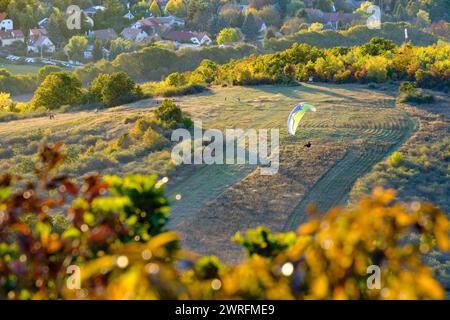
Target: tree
column 269, row 15
column 77, row 45
column 316, row 26
column 232, row 16
column 118, row 46
column 97, row 50
column 18, row 48
column 58, row 89
column 176, row 79
column 250, row 27
column 291, row 26
column 155, row 9
column 377, row 46
column 174, row 7
column 423, row 19
column 46, row 70
column 324, row 5
column 5, row 101
column 112, row 17
column 228, row 35
column 171, row 116
column 114, row 89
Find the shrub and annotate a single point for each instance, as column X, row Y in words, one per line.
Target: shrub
column 396, row 159
column 406, row 87
column 58, row 89
column 171, row 116
column 176, row 79
column 418, row 96
column 114, row 89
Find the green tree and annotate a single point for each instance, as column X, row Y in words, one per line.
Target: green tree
column 324, row 5
column 58, row 89
column 97, row 51
column 118, row 46
column 423, row 19
column 46, row 70
column 269, row 15
column 112, row 17
column 377, row 46
column 77, row 45
column 232, row 16
column 250, row 27
column 228, row 35
column 114, row 89
column 171, row 116
column 176, row 79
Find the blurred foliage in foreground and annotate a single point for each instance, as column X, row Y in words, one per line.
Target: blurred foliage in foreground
column 115, row 232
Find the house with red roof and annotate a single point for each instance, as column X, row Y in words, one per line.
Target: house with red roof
column 7, row 38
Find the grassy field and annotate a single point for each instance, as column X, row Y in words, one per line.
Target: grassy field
column 18, row 68
column 354, row 129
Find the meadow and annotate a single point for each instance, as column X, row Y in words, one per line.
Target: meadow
column 20, row 68
column 354, row 135
column 355, row 128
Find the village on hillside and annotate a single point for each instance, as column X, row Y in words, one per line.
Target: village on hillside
column 111, row 27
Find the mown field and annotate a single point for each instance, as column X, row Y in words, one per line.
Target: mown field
column 18, row 68
column 354, row 129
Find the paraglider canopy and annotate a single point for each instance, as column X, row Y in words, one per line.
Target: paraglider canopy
column 297, row 114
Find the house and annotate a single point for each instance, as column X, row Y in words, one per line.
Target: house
column 171, row 21
column 129, row 16
column 201, row 38
column 134, row 34
column 43, row 23
column 7, row 38
column 104, row 34
column 194, row 38
column 34, row 34
column 331, row 20
column 5, row 24
column 262, row 30
column 147, row 22
column 41, row 44
column 88, row 53
column 91, row 11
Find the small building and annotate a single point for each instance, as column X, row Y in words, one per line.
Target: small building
column 129, row 16
column 43, row 23
column 6, row 24
column 104, row 34
column 147, row 22
column 7, row 38
column 41, row 44
column 91, row 11
column 331, row 20
column 134, row 34
column 34, row 34
column 195, row 38
column 171, row 21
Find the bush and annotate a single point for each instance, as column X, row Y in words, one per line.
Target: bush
column 418, row 96
column 396, row 159
column 58, row 89
column 406, row 87
column 171, row 116
column 114, row 89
